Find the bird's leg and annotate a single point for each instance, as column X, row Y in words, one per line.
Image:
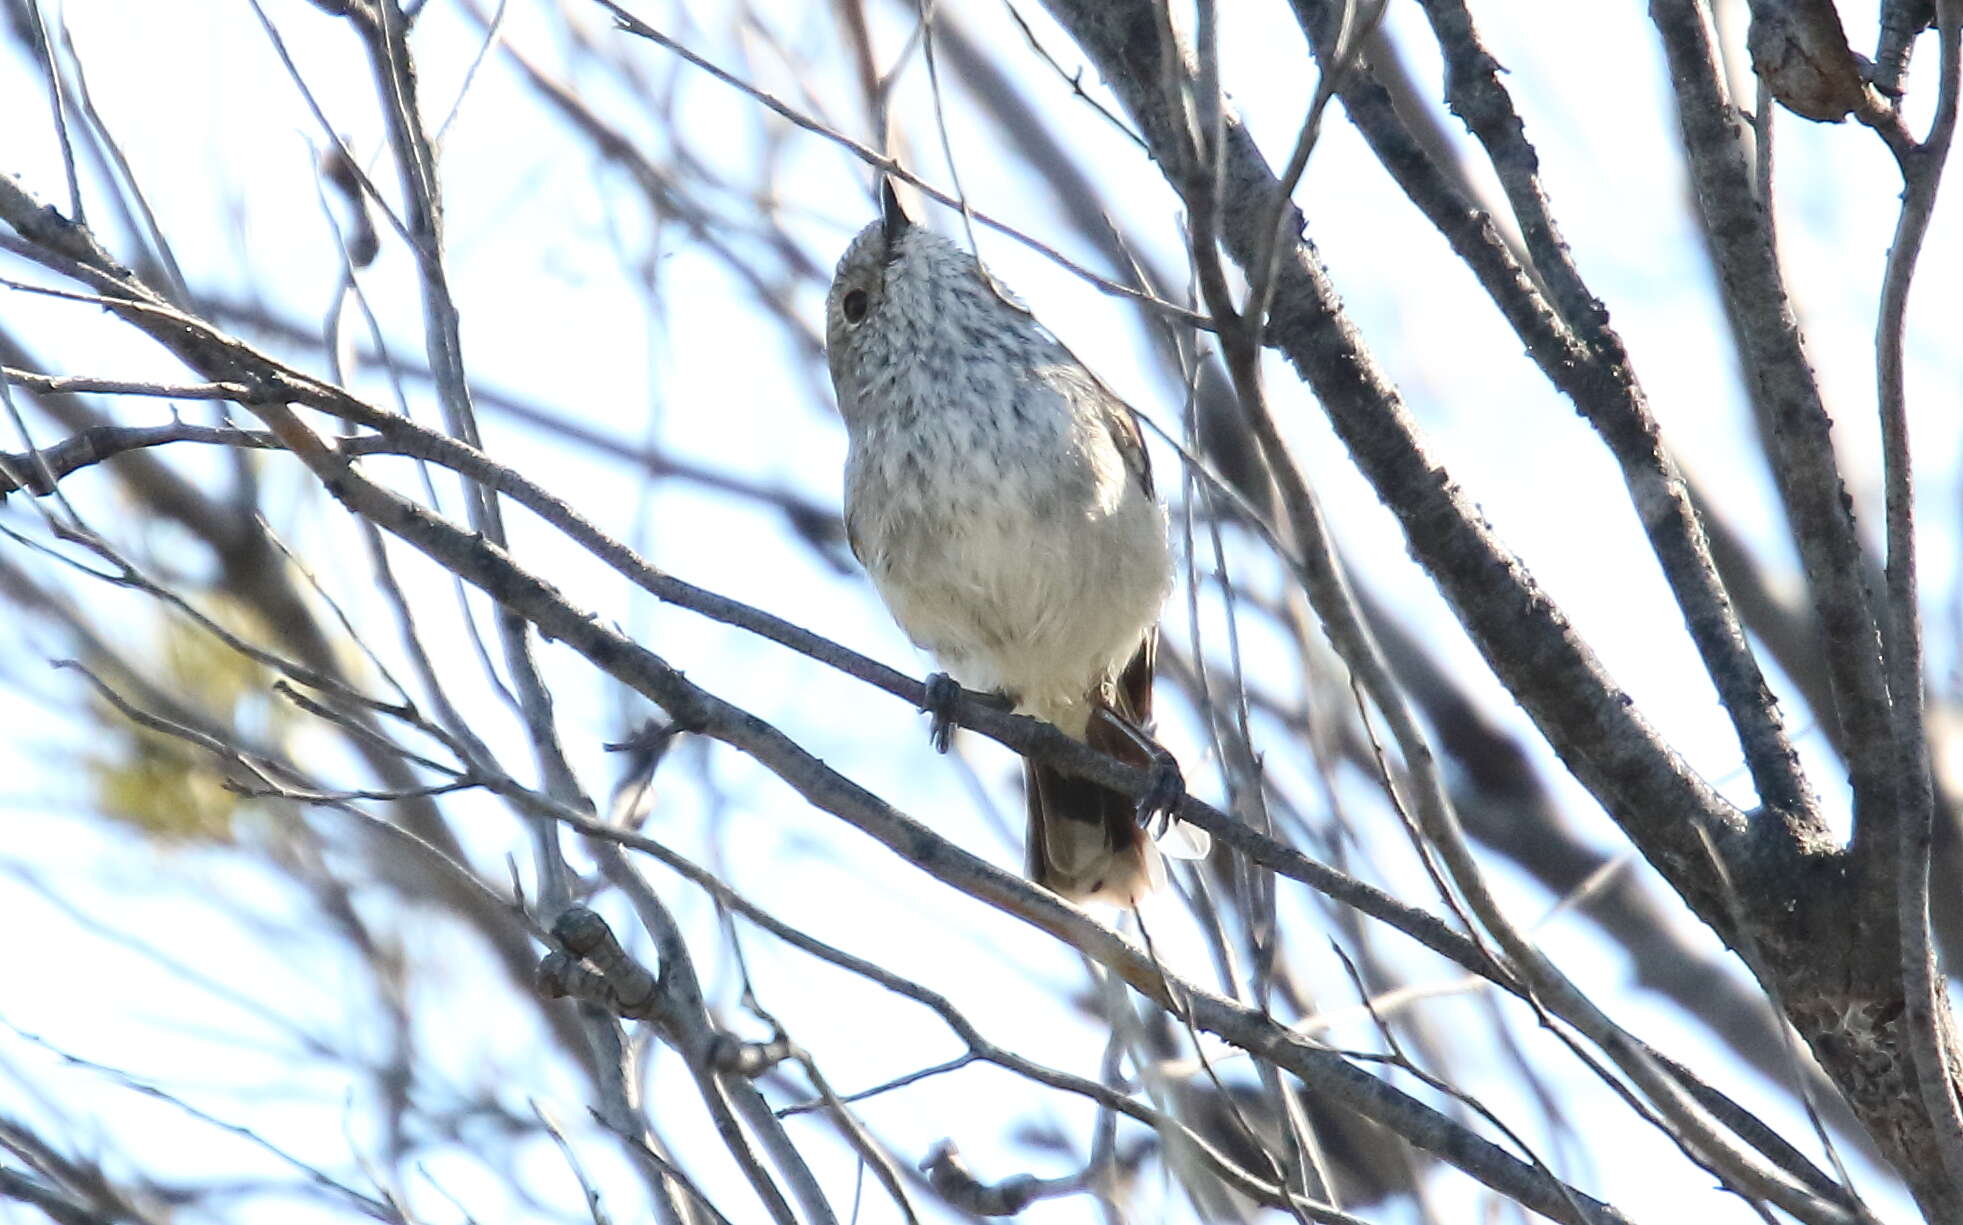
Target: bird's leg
column 1163, row 792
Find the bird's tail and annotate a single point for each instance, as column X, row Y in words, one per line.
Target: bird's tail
column 1085, row 842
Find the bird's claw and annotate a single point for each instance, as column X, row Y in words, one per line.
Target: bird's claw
column 939, row 702
column 1161, row 799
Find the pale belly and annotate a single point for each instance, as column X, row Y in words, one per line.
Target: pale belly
column 1044, row 607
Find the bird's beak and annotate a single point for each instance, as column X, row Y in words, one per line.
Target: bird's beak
column 893, row 216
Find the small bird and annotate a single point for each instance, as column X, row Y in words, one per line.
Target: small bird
column 1001, row 499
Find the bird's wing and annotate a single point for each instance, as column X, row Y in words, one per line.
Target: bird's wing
column 1123, row 424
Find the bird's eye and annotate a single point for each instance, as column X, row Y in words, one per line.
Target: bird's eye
column 854, row 306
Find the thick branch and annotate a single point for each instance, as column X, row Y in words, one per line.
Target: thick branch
column 1584, row 357
column 1775, row 361
column 1594, row 726
column 1926, row 1012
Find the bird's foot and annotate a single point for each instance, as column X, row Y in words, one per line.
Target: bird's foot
column 944, row 697
column 1159, row 803
column 943, row 694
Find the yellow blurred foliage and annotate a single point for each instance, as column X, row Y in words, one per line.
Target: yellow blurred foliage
column 163, row 785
